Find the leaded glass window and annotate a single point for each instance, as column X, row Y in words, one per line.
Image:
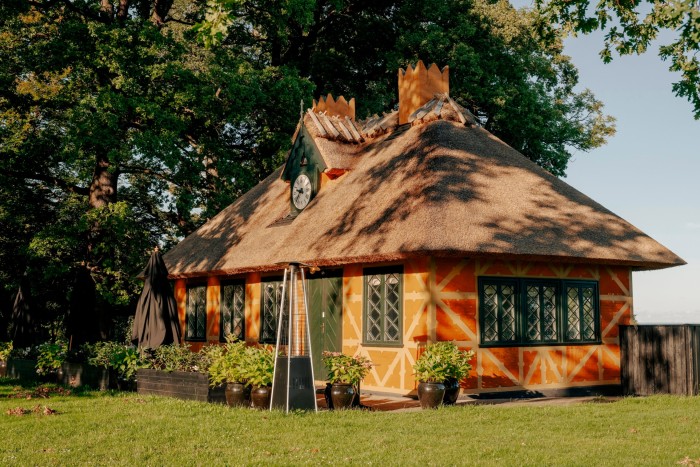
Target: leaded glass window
column 269, row 315
column 383, row 305
column 541, row 312
column 581, row 323
column 499, row 312
column 514, row 311
column 232, row 311
column 196, row 316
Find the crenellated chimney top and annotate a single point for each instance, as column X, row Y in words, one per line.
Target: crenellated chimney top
column 340, row 107
column 418, row 85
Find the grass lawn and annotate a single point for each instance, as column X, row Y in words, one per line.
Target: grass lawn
column 125, row 428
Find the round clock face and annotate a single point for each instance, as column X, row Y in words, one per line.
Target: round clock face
column 301, row 191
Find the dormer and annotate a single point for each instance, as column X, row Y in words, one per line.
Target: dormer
column 303, row 171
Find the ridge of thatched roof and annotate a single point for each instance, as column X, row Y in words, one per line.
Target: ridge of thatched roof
column 437, row 186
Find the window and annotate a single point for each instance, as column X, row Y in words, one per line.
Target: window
column 232, row 311
column 383, row 303
column 269, row 315
column 536, row 312
column 196, row 318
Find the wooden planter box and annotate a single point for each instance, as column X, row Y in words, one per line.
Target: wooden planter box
column 178, row 384
column 19, row 368
column 82, row 374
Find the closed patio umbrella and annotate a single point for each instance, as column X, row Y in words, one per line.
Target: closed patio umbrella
column 156, row 322
column 22, row 330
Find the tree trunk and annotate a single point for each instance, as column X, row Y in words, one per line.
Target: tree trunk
column 103, row 189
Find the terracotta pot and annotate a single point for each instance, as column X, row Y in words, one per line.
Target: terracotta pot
column 237, row 395
column 342, row 395
column 430, row 394
column 260, row 397
column 451, row 391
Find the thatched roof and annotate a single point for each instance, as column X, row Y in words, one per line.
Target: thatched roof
column 439, row 186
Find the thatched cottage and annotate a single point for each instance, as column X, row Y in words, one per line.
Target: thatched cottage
column 425, row 227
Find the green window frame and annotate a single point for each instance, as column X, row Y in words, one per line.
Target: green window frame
column 269, row 310
column 196, row 315
column 529, row 312
column 232, row 311
column 382, row 315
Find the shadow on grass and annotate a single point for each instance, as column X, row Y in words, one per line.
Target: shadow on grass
column 11, row 388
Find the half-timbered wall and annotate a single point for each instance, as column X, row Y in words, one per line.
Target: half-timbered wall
column 440, row 302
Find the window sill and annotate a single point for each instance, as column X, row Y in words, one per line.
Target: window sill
column 394, row 345
column 538, row 344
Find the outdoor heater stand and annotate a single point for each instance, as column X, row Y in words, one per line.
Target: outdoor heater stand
column 293, row 381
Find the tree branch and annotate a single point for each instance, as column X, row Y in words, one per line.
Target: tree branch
column 50, row 179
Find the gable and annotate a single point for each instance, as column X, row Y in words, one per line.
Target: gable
column 303, row 157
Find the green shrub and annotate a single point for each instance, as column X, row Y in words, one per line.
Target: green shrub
column 5, row 350
column 123, row 359
column 50, row 357
column 225, row 361
column 442, row 361
column 175, row 357
column 346, row 369
column 258, row 366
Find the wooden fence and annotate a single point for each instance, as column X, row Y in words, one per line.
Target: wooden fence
column 660, row 359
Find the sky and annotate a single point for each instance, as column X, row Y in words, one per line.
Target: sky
column 648, row 173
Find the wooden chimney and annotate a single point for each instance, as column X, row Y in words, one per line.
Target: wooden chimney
column 418, row 85
column 339, row 108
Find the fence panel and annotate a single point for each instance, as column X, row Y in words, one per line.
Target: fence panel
column 660, row 359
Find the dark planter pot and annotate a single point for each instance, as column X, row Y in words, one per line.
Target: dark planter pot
column 451, row 391
column 342, row 395
column 237, row 395
column 260, row 397
column 430, row 394
column 178, row 384
column 3, row 368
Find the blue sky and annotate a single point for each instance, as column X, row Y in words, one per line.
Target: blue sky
column 647, row 173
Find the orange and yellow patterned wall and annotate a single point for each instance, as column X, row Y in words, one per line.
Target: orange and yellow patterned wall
column 440, row 303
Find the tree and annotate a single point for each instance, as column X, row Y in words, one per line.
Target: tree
column 520, row 86
column 631, row 27
column 119, row 132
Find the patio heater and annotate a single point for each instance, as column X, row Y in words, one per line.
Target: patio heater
column 293, row 381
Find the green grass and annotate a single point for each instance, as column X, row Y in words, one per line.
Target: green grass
column 127, row 429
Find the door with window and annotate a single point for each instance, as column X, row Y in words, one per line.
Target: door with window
column 325, row 292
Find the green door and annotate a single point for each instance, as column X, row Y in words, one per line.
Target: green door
column 325, row 289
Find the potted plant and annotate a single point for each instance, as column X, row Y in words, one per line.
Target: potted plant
column 439, row 363
column 5, row 350
column 257, row 368
column 458, row 368
column 344, row 375
column 226, row 368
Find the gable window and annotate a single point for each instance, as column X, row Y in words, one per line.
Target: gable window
column 232, row 311
column 270, row 309
column 534, row 312
column 196, row 316
column 383, row 306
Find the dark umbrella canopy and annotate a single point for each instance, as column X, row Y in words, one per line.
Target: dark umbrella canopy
column 156, row 322
column 5, row 312
column 22, row 322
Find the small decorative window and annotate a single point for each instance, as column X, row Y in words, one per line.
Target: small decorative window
column 581, row 312
column 196, row 317
column 271, row 303
column 383, row 304
column 499, row 313
column 232, row 311
column 530, row 312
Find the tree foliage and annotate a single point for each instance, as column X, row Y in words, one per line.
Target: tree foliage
column 630, row 27
column 122, row 126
